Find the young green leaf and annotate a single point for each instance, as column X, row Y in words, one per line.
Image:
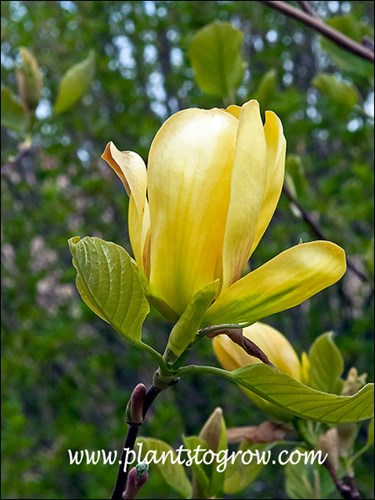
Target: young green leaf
column 201, row 482
column 326, row 364
column 245, row 468
column 342, row 93
column 75, row 83
column 370, row 433
column 295, row 397
column 265, row 91
column 295, row 171
column 109, row 283
column 303, row 401
column 307, row 480
column 13, row 114
column 186, row 329
column 215, row 54
column 172, row 472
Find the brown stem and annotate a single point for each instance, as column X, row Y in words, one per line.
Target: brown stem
column 346, row 486
column 316, row 24
column 129, row 444
column 307, row 8
column 306, row 216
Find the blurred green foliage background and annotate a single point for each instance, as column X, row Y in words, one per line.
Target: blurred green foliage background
column 66, row 376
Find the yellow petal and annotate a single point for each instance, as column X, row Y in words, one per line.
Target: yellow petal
column 276, row 148
column 284, row 282
column 278, row 349
column 131, row 169
column 247, row 190
column 139, row 234
column 189, row 172
column 225, row 350
column 234, row 110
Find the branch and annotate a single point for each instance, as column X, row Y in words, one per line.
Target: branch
column 307, row 8
column 332, row 34
column 139, row 404
column 306, row 216
column 346, row 486
column 139, row 400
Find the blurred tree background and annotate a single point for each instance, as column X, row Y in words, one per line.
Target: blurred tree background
column 66, row 376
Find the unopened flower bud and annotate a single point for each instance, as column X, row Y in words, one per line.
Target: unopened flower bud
column 29, row 80
column 212, row 431
column 134, row 409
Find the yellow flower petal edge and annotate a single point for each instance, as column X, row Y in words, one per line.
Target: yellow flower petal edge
column 131, row 169
column 247, row 190
column 276, row 150
column 283, row 282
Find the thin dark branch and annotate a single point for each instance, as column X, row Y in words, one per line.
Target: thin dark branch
column 129, row 444
column 307, row 8
column 316, row 24
column 307, row 217
column 346, row 486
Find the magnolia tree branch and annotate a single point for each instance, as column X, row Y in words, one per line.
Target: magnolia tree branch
column 307, row 217
column 138, row 406
column 310, row 20
column 346, row 486
column 307, row 8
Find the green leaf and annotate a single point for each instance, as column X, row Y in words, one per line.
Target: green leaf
column 303, row 401
column 186, row 329
column 295, row 397
column 194, row 443
column 326, row 364
column 370, row 433
column 75, row 83
column 295, row 171
column 108, row 282
column 172, row 472
column 215, row 54
column 356, row 30
column 240, row 473
column 265, row 91
column 342, row 93
column 307, row 480
column 13, row 114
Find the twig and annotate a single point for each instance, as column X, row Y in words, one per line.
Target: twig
column 307, row 8
column 346, row 486
column 306, row 216
column 129, row 444
column 324, row 29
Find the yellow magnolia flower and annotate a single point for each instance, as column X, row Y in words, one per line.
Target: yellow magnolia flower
column 278, row 350
column 199, row 210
